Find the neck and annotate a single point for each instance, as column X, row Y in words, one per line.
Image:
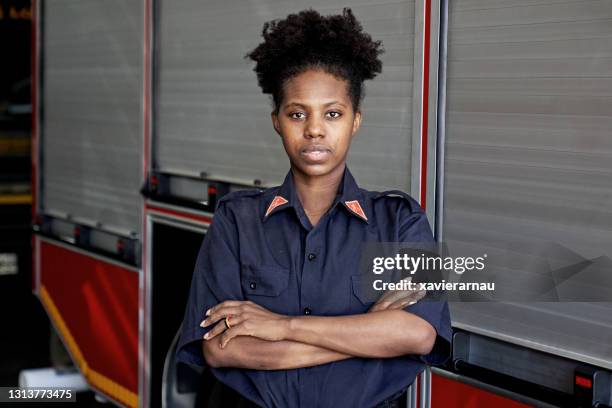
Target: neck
column 317, row 193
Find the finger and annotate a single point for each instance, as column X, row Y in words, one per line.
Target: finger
column 396, row 295
column 400, row 304
column 227, row 303
column 221, row 313
column 230, row 334
column 232, row 320
column 415, row 296
column 379, row 306
column 419, row 295
column 215, row 331
column 408, row 301
column 392, row 296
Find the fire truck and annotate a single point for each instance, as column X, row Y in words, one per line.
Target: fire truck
column 495, row 115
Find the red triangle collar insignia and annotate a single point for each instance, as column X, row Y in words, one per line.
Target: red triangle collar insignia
column 355, row 207
column 277, row 201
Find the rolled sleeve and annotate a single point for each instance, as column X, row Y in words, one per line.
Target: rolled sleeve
column 435, row 313
column 216, row 278
column 433, row 309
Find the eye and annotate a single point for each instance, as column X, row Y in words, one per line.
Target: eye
column 334, row 114
column 295, row 115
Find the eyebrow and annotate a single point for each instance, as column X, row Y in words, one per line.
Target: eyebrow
column 304, row 106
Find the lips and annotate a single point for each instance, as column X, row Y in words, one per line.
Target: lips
column 315, row 153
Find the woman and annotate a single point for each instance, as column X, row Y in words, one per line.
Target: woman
column 276, row 309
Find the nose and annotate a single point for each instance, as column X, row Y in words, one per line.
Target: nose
column 314, row 128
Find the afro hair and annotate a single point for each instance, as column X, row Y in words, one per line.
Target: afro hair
column 308, row 40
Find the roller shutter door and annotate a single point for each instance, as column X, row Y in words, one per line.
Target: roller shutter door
column 92, row 111
column 213, row 118
column 529, row 157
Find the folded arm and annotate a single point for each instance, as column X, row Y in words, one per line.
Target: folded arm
column 264, row 340
column 254, row 353
column 388, row 333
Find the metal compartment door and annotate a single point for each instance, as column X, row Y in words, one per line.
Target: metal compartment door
column 529, row 157
column 92, row 112
column 212, row 118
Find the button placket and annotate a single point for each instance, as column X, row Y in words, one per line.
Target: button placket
column 310, row 263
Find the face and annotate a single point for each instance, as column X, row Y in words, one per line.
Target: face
column 316, row 122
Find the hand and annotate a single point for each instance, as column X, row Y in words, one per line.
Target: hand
column 245, row 319
column 398, row 299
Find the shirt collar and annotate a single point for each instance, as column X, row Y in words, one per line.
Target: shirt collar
column 348, row 194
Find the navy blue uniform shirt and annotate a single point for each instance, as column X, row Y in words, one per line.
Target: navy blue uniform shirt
column 262, row 247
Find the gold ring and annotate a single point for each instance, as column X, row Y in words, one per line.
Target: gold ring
column 227, row 323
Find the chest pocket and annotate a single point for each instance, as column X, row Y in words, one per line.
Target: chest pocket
column 266, row 286
column 360, row 301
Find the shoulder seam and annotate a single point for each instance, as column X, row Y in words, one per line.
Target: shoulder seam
column 413, row 204
column 239, row 194
column 393, row 193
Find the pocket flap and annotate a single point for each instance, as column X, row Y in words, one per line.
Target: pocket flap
column 359, row 291
column 264, row 280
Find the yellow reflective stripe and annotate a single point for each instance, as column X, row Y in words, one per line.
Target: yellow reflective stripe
column 96, row 379
column 15, row 199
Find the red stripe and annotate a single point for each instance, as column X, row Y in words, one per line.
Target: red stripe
column 34, row 136
column 201, row 218
column 425, row 103
column 145, row 167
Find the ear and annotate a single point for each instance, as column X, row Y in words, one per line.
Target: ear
column 356, row 122
column 276, row 122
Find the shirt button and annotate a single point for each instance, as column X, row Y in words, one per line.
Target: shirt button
column 253, row 285
column 311, row 257
column 307, row 311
